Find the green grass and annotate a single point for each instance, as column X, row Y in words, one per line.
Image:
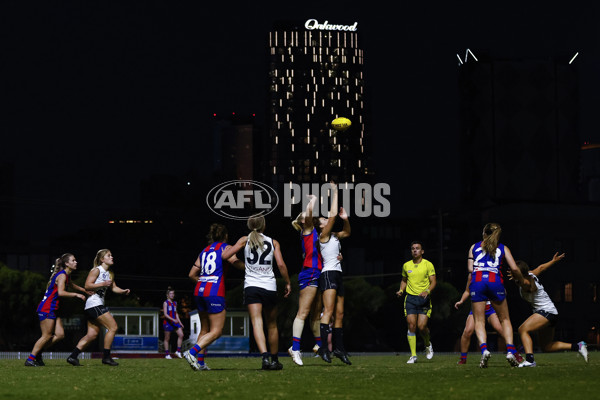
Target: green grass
column 370, row 377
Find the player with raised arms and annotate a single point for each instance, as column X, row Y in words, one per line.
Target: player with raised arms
column 544, row 317
column 309, row 301
column 331, row 283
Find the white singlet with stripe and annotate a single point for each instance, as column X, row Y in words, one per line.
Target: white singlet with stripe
column 330, row 252
column 259, row 265
column 539, row 299
column 97, row 299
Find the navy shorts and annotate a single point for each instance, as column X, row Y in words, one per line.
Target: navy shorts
column 417, row 305
column 309, row 277
column 95, row 312
column 49, row 315
column 253, row 295
column 332, row 280
column 553, row 318
column 484, row 291
column 169, row 326
column 210, row 304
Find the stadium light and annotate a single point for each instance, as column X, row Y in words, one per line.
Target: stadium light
column 471, row 53
column 576, row 54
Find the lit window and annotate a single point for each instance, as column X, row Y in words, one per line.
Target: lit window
column 568, row 293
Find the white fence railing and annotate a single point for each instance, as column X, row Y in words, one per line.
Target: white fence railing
column 50, row 355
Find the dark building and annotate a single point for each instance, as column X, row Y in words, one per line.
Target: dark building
column 519, row 135
column 315, row 76
column 590, row 171
column 523, row 167
column 234, row 148
column 7, row 200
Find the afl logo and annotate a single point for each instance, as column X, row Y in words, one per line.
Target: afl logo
column 240, row 199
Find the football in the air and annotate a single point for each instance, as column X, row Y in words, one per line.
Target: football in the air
column 341, row 124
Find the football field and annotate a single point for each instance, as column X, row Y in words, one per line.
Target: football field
column 561, row 375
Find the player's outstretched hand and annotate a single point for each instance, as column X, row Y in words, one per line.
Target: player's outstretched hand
column 343, row 214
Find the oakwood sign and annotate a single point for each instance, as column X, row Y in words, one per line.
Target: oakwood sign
column 313, row 24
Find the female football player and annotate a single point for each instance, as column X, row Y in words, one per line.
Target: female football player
column 485, row 283
column 544, row 317
column 50, row 324
column 99, row 280
column 171, row 322
column 309, row 302
column 260, row 287
column 209, row 273
column 331, row 282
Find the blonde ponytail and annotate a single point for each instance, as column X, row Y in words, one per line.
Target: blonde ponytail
column 257, row 225
column 491, row 238
column 296, row 224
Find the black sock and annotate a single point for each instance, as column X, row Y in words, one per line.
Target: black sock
column 338, row 339
column 529, row 358
column 106, row 353
column 574, row 347
column 75, row 353
column 265, row 356
column 324, row 334
column 274, row 357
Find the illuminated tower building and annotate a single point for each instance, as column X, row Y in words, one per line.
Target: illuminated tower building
column 315, row 76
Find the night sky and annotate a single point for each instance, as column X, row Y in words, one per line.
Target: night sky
column 98, row 97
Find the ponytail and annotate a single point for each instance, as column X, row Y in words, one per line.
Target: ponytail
column 216, row 233
column 296, row 224
column 257, row 225
column 58, row 266
column 491, row 238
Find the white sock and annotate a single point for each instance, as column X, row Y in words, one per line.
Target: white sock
column 297, row 327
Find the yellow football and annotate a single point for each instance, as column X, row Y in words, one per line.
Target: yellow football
column 341, row 124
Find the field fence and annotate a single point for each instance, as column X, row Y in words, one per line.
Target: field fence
column 51, row 355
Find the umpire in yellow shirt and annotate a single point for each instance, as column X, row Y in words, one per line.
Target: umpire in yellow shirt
column 418, row 280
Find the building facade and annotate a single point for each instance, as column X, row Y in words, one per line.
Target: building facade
column 315, row 76
column 519, row 130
